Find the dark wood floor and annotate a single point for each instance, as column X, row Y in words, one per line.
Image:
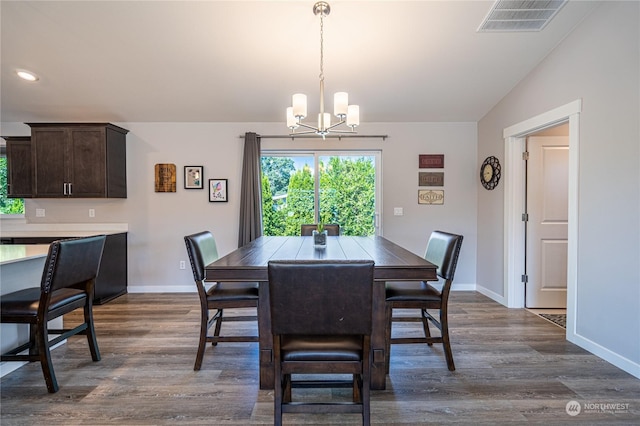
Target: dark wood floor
column 512, row 367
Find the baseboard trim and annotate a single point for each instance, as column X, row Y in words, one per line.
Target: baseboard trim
column 491, row 295
column 161, row 289
column 191, row 289
column 619, row 361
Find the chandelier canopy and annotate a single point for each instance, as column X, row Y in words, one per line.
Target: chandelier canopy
column 346, row 114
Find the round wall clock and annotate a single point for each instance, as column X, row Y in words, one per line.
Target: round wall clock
column 490, row 173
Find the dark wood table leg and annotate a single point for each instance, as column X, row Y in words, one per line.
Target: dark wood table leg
column 267, row 377
column 378, row 370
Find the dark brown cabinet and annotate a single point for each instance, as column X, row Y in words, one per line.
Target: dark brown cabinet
column 19, row 170
column 80, row 160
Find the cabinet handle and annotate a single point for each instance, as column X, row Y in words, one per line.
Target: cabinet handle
column 64, row 189
column 70, row 188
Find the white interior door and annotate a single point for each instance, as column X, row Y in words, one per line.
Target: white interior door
column 547, row 207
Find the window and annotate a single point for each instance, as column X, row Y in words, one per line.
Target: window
column 7, row 205
column 344, row 191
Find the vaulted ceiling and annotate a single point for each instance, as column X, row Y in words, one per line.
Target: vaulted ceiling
column 240, row 61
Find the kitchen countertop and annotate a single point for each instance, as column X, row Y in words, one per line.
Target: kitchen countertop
column 12, row 253
column 19, row 229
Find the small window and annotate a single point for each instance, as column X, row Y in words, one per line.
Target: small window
column 7, row 205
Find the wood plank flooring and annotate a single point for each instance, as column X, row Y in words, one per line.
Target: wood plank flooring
column 512, row 368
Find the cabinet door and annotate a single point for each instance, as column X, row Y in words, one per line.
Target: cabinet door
column 49, row 162
column 19, row 167
column 87, row 162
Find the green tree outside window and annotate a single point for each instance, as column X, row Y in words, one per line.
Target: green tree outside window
column 8, row 205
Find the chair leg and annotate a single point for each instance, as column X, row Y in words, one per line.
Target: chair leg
column 357, row 385
column 446, row 343
column 204, row 326
column 425, row 325
column 216, row 331
column 278, row 395
column 33, row 348
column 286, row 394
column 42, row 347
column 365, row 393
column 387, row 336
column 91, row 332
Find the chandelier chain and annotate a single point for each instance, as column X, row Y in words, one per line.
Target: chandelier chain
column 321, row 48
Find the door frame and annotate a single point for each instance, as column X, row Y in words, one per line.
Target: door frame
column 514, row 201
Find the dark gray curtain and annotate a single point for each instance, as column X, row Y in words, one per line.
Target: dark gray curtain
column 250, row 192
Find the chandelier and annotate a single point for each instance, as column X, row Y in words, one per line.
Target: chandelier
column 346, row 114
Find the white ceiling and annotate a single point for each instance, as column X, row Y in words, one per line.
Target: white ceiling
column 240, row 61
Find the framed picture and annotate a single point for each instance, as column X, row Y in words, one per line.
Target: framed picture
column 165, row 177
column 218, row 190
column 193, row 177
column 431, row 161
column 431, row 196
column 430, row 178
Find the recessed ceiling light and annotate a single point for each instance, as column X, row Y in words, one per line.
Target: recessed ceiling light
column 27, row 75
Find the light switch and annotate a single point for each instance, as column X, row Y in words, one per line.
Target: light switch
column 92, row 212
column 39, row 212
column 398, row 211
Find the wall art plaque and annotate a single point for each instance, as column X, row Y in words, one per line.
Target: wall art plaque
column 430, row 196
column 431, row 161
column 165, row 177
column 430, row 178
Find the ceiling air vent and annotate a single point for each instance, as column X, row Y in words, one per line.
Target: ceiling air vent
column 520, row 15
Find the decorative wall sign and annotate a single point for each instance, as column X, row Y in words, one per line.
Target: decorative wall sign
column 165, row 177
column 431, row 161
column 218, row 190
column 193, row 177
column 430, row 178
column 430, row 196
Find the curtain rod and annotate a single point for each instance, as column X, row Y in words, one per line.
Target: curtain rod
column 339, row 137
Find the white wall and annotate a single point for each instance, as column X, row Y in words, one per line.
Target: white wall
column 598, row 63
column 158, row 221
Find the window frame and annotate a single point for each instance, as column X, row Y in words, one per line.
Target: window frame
column 317, row 153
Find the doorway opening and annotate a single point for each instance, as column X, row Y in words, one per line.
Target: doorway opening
column 515, row 202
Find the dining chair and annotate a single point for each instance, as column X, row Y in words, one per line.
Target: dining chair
column 202, row 251
column 67, row 284
column 306, row 230
column 442, row 250
column 321, row 325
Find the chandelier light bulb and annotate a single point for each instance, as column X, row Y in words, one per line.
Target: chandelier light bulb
column 299, row 105
column 353, row 116
column 324, row 121
column 340, row 104
column 291, row 119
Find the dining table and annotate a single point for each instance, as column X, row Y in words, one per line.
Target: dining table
column 392, row 263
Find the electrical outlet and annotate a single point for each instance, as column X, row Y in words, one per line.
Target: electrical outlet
column 183, row 264
column 92, row 212
column 398, row 211
column 39, row 212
